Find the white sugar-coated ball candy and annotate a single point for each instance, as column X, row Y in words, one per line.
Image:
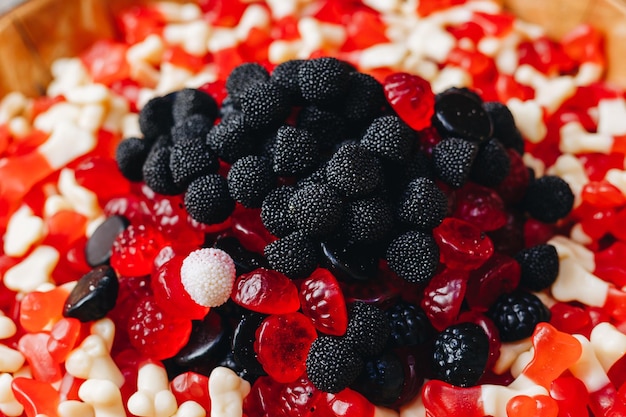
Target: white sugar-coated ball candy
column 208, row 276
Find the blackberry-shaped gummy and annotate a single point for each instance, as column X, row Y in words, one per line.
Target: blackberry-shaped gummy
column 192, row 127
column 409, row 324
column 492, row 164
column 504, row 128
column 324, row 81
column 365, row 99
column 390, row 138
column 285, row 75
column 382, row 379
column 250, row 179
column 539, row 266
column 548, row 199
column 243, row 77
column 155, row 118
column 459, row 113
column 230, row 138
column 414, row 256
column 327, row 127
column 157, row 173
column 354, row 171
column 368, row 329
column 264, row 105
column 130, row 155
column 516, row 315
column 296, row 152
column 315, row 209
column 190, row 159
column 316, row 177
column 460, row 354
column 295, row 255
column 422, row 204
column 367, row 220
column 332, row 364
column 190, row 101
column 453, row 159
column 207, row 199
column 275, row 211
column 398, row 177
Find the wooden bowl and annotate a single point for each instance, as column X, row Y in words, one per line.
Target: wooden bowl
column 37, row 32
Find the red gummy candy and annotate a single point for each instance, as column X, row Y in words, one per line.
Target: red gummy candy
column 282, row 345
column 37, row 397
column 266, row 291
column 63, row 337
column 135, row 249
column 323, row 302
column 191, row 386
column 39, row 308
column 571, row 396
column 34, row 347
column 537, row 406
column 411, row 97
column 170, row 294
column 462, row 245
column 443, row 297
column 154, row 333
column 480, row 206
column 499, row 275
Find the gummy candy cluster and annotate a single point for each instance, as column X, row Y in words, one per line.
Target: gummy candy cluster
column 316, row 208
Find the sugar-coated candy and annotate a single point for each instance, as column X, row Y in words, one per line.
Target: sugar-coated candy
column 208, row 276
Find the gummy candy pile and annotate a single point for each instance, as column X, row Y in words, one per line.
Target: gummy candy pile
column 372, row 208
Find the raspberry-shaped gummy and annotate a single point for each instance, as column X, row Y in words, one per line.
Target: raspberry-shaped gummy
column 295, row 255
column 368, row 328
column 230, row 138
column 315, row 209
column 516, row 315
column 250, row 179
column 191, row 101
column 411, row 97
column 208, row 200
column 539, row 266
column 414, row 256
column 364, row 101
column 295, row 152
column 422, row 204
column 367, row 220
column 135, row 249
column 244, row 76
column 409, row 324
column 324, row 81
column 208, row 276
column 195, row 126
column 328, row 128
column 453, row 159
column 275, row 211
column 157, row 173
column 282, row 345
column 332, row 364
column 155, row 117
column 130, row 155
column 354, row 171
column 390, row 138
column 154, row 333
column 323, row 302
column 548, row 199
column 191, row 158
column 264, row 105
column 285, row 75
column 492, row 163
column 460, row 354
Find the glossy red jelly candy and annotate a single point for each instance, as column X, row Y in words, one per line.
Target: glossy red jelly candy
column 443, row 296
column 101, row 175
column 170, row 294
column 34, row 347
column 499, row 275
column 349, row 403
column 135, row 249
column 191, row 386
column 322, row 301
column 462, row 245
column 411, row 97
column 570, row 318
column 602, row 194
column 443, row 399
column 136, row 23
column 480, row 206
column 282, row 345
column 39, row 308
column 105, row 61
column 249, row 230
column 63, row 337
column 64, row 228
column 37, row 397
column 571, row 396
column 537, row 406
column 266, row 291
column 154, row 333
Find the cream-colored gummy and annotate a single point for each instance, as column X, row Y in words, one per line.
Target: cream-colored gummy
column 24, row 230
column 34, row 270
column 227, row 391
column 153, row 397
column 92, row 360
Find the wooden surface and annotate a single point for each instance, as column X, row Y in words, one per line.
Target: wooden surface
column 39, row 31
